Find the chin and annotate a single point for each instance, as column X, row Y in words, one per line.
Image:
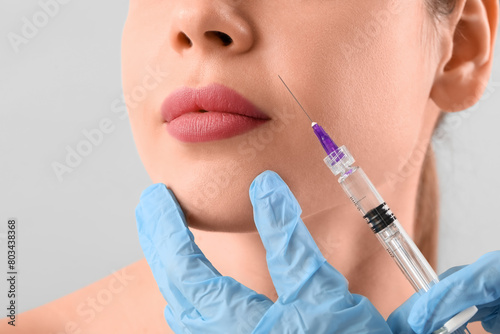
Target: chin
column 215, row 206
column 226, row 223
column 233, row 216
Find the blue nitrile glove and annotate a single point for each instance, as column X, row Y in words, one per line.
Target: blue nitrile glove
column 459, row 288
column 313, row 297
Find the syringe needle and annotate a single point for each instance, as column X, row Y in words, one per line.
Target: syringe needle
column 295, row 99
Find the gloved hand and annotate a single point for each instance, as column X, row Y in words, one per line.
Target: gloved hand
column 459, row 288
column 313, row 297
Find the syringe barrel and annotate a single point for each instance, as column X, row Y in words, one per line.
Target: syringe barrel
column 385, row 225
column 407, row 256
column 388, row 230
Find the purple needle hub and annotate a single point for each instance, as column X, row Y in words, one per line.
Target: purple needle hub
column 325, row 140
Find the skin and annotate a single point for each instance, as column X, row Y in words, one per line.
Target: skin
column 380, row 96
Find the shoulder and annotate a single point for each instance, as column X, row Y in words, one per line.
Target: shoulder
column 127, row 301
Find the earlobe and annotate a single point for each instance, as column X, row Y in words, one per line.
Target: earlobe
column 460, row 83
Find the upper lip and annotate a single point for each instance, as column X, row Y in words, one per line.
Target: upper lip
column 214, row 97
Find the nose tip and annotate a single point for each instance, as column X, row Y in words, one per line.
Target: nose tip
column 210, row 27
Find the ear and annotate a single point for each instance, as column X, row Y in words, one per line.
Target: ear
column 465, row 67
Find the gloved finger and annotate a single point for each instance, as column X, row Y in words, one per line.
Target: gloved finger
column 450, row 271
column 489, row 317
column 193, row 288
column 398, row 320
column 226, row 303
column 174, row 258
column 173, row 322
column 476, row 284
column 292, row 255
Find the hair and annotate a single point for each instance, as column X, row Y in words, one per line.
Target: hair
column 440, row 8
column 427, row 209
column 427, row 202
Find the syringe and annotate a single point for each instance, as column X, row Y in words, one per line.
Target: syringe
column 383, row 223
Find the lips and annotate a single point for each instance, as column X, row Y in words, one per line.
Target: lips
column 209, row 113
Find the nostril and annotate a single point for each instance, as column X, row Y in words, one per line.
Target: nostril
column 184, row 39
column 224, row 38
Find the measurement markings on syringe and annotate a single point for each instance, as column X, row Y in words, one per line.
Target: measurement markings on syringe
column 356, row 202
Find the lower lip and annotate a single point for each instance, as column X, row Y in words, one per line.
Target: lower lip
column 195, row 127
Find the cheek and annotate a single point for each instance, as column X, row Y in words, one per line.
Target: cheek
column 370, row 90
column 143, row 80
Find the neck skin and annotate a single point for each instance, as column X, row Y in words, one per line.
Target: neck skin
column 343, row 237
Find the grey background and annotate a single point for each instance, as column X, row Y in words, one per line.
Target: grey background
column 72, row 233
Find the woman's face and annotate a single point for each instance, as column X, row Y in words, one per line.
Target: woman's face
column 363, row 70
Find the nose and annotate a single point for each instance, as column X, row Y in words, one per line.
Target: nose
column 209, row 26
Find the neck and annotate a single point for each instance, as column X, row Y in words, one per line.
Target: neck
column 344, row 239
